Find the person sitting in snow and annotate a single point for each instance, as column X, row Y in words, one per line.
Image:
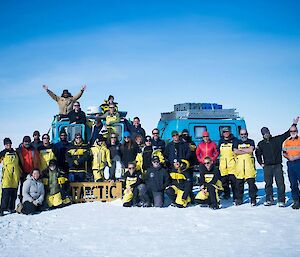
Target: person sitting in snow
column 210, row 185
column 54, row 180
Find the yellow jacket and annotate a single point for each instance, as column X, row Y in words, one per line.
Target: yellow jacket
column 11, row 170
column 227, row 159
column 101, row 156
column 245, row 164
column 46, row 154
column 139, row 159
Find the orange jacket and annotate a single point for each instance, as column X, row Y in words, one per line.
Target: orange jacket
column 291, row 147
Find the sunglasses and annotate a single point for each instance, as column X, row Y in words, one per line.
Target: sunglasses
column 244, row 134
column 155, row 133
column 113, row 137
column 77, row 137
column 293, row 130
column 76, row 105
column 205, row 136
column 46, row 138
column 131, row 168
column 206, row 163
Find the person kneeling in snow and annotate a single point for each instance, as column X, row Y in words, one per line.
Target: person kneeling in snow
column 54, row 180
column 210, row 184
column 182, row 182
column 134, row 188
column 33, row 193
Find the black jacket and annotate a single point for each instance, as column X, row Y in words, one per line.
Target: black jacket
column 214, row 174
column 157, row 179
column 184, row 183
column 137, row 131
column 181, row 152
column 115, row 150
column 158, row 144
column 135, row 179
column 77, row 117
column 268, row 152
column 147, row 154
column 128, row 154
column 60, row 149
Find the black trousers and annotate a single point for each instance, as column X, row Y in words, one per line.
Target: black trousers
column 8, row 199
column 30, row 208
column 227, row 182
column 271, row 172
column 240, row 188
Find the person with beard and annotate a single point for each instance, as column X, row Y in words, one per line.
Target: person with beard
column 60, row 149
column 77, row 116
column 291, row 151
column 227, row 163
column 46, row 152
column 268, row 155
column 65, row 101
column 245, row 167
column 176, row 149
column 10, row 177
column 157, row 143
column 185, row 137
column 210, row 184
column 29, row 159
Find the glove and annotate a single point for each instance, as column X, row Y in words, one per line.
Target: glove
column 62, row 180
column 45, row 181
column 36, row 202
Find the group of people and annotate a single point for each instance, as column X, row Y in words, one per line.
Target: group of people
column 154, row 173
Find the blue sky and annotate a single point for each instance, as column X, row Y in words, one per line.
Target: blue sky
column 150, row 55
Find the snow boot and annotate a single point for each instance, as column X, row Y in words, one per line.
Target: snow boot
column 281, row 204
column 253, row 202
column 296, row 205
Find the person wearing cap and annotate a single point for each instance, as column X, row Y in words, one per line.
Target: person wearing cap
column 227, row 163
column 77, row 156
column 134, row 188
column 268, row 154
column 180, row 189
column 29, row 159
column 106, row 103
column 157, row 143
column 36, row 143
column 100, row 158
column 136, row 129
column 245, row 167
column 156, row 179
column 143, row 158
column 176, row 149
column 11, row 172
column 207, row 148
column 185, row 137
column 291, row 151
column 54, row 180
column 77, row 116
column 60, row 149
column 66, row 100
column 46, row 152
column 210, row 184
column 129, row 149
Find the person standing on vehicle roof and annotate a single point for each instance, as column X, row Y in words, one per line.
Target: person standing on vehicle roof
column 77, row 116
column 136, row 128
column 207, row 148
column 291, row 151
column 245, row 167
column 157, row 143
column 176, row 149
column 268, row 154
column 65, row 101
column 227, row 163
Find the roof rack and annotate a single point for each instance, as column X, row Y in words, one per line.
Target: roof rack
column 199, row 111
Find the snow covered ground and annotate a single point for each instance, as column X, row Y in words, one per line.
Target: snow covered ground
column 108, row 229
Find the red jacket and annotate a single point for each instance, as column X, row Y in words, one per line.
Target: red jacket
column 30, row 159
column 207, row 149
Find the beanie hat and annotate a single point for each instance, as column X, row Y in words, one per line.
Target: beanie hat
column 174, row 132
column 126, row 134
column 52, row 162
column 184, row 131
column 7, row 141
column 27, row 139
column 205, row 134
column 265, row 130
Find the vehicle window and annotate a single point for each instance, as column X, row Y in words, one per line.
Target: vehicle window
column 72, row 130
column 198, row 130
